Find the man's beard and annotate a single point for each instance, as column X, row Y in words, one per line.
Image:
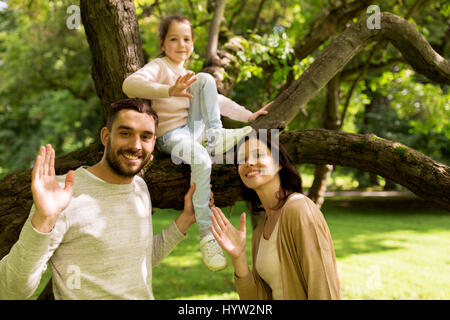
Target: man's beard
column 113, row 160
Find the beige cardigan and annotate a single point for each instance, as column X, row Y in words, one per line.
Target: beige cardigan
column 306, row 252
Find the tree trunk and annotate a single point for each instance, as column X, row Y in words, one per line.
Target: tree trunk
column 330, row 121
column 113, row 34
column 213, row 37
column 318, row 188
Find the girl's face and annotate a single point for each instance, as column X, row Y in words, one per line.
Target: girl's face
column 178, row 44
column 257, row 167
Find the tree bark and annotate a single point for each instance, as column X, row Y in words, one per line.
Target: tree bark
column 330, row 121
column 213, row 37
column 113, row 34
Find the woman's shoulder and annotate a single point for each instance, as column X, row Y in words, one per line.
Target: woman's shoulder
column 299, row 208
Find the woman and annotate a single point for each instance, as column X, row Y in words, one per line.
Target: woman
column 293, row 254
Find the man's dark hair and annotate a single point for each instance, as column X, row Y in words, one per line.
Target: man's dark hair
column 140, row 105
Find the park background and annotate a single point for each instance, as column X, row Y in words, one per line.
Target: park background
column 389, row 243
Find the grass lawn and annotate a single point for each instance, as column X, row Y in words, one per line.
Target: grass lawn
column 383, row 251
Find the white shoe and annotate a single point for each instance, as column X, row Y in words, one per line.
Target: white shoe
column 220, row 141
column 212, row 253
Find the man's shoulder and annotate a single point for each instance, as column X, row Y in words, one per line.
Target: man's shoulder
column 140, row 182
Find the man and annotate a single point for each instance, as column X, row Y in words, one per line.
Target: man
column 94, row 225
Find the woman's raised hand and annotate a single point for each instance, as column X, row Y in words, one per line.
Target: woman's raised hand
column 231, row 240
column 182, row 84
column 49, row 198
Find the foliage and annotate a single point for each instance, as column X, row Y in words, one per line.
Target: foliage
column 47, row 94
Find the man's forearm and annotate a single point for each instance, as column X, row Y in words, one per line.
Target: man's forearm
column 184, row 222
column 42, row 224
column 22, row 268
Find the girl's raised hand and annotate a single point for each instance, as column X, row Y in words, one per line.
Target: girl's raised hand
column 260, row 112
column 182, row 83
column 231, row 240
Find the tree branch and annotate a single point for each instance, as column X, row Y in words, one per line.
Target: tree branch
column 403, row 35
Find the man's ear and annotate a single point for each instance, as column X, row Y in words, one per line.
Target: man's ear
column 104, row 136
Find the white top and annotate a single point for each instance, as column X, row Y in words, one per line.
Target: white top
column 153, row 81
column 102, row 246
column 268, row 263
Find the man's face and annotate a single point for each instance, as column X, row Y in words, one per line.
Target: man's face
column 130, row 143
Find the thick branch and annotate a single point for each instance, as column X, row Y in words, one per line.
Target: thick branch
column 403, row 35
column 419, row 173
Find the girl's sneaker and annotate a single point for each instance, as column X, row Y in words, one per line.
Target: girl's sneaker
column 212, row 253
column 219, row 141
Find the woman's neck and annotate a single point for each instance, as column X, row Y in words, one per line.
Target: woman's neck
column 267, row 193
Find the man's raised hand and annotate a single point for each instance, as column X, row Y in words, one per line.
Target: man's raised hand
column 49, row 198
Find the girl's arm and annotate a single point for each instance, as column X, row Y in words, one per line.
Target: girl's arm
column 145, row 83
column 232, row 110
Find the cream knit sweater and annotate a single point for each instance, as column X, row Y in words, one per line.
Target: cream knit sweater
column 153, row 82
column 102, row 246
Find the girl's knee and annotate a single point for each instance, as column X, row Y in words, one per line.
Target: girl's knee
column 205, row 78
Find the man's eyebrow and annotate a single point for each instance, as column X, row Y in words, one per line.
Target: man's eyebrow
column 123, row 127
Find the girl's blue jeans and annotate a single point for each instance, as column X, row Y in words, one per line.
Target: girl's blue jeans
column 184, row 143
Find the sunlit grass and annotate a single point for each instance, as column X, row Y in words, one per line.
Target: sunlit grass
column 381, row 254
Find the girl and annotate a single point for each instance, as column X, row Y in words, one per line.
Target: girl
column 187, row 104
column 293, row 254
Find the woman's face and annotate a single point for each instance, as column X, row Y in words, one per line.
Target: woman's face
column 257, row 167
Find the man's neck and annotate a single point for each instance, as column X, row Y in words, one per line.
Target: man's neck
column 103, row 171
